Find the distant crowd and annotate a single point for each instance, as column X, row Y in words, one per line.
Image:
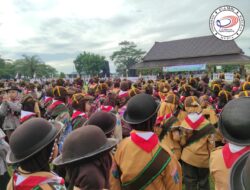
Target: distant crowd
column 113, row 133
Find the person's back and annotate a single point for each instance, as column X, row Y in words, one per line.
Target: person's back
column 131, row 160
column 32, row 147
column 140, row 160
column 22, row 180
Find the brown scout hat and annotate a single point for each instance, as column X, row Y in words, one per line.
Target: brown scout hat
column 164, row 87
column 31, row 137
column 245, row 86
column 234, row 121
column 124, row 86
column 192, row 104
column 73, row 90
column 82, row 143
column 79, row 99
column 60, row 82
column 225, row 95
column 140, row 108
column 244, row 94
column 133, row 91
column 105, row 120
column 60, row 91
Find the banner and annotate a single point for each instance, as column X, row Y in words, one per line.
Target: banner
column 179, row 68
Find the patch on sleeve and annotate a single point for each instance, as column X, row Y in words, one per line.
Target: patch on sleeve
column 115, row 171
column 175, row 176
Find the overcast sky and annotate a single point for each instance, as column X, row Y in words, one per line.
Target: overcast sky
column 58, row 30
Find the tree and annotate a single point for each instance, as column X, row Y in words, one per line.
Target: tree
column 89, row 63
column 27, row 66
column 62, row 75
column 127, row 56
column 32, row 64
column 45, row 71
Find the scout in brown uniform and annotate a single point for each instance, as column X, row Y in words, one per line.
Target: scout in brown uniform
column 170, row 135
column 196, row 146
column 164, row 88
column 81, row 108
column 208, row 110
column 86, row 158
column 235, row 127
column 141, row 162
column 30, row 108
column 32, row 148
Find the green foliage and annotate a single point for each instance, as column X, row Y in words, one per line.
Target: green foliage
column 62, row 75
column 153, row 71
column 230, row 68
column 90, row 63
column 127, row 56
column 27, row 66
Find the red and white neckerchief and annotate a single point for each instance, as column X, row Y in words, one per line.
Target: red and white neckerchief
column 29, row 182
column 210, row 99
column 218, row 110
column 78, row 113
column 25, row 115
column 182, row 99
column 162, row 96
column 101, row 96
column 194, row 120
column 47, row 99
column 145, row 140
column 106, row 108
column 123, row 94
column 27, row 91
column 159, row 119
column 56, row 103
column 232, row 152
column 70, row 101
column 235, row 89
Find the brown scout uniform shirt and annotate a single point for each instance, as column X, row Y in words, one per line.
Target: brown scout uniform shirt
column 219, row 171
column 131, row 160
column 197, row 154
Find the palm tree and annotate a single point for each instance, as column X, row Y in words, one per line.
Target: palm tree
column 32, row 63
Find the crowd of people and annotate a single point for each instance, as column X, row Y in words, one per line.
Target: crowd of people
column 116, row 134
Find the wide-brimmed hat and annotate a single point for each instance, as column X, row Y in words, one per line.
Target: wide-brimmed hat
column 13, row 87
column 105, row 120
column 31, row 137
column 82, row 143
column 60, row 91
column 240, row 172
column 234, row 121
column 140, row 108
column 124, row 86
column 73, row 90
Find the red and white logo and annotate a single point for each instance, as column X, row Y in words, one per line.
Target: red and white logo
column 227, row 23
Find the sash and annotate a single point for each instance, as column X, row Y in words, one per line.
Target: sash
column 151, row 171
column 208, row 129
